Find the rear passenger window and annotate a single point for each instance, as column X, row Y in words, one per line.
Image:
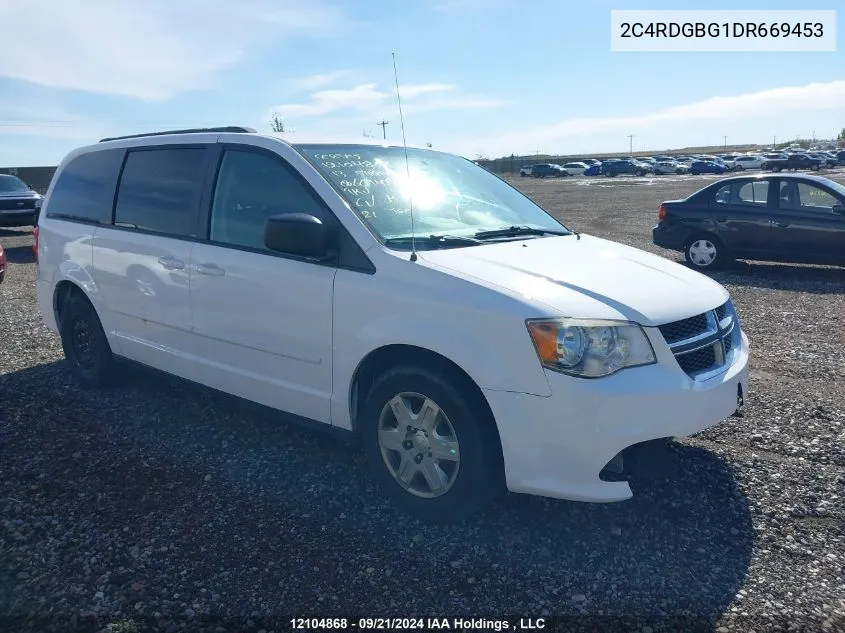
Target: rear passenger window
column 251, row 187
column 160, row 189
column 755, row 192
column 84, row 189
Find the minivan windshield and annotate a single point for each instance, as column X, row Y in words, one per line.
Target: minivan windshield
column 455, row 202
column 11, row 184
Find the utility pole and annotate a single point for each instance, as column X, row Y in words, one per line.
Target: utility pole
column 383, row 125
column 774, row 142
column 726, row 143
column 631, row 140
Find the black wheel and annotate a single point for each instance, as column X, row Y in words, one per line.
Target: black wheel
column 739, row 168
column 641, row 173
column 704, row 252
column 815, row 167
column 776, row 169
column 694, row 172
column 432, row 447
column 85, row 345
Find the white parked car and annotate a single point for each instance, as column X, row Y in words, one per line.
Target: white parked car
column 751, row 161
column 575, row 169
column 670, row 167
column 469, row 340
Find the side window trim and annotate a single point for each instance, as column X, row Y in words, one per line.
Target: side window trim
column 209, row 150
column 207, row 202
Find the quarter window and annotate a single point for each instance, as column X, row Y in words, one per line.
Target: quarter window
column 723, row 195
column 84, row 189
column 252, row 187
column 160, row 189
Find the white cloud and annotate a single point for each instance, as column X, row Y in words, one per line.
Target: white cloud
column 47, row 121
column 776, row 102
column 312, row 82
column 412, row 91
column 457, row 103
column 360, row 97
column 368, row 97
column 148, row 50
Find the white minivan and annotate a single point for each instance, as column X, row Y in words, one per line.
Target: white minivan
column 466, row 338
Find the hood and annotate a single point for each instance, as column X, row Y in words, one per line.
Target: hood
column 19, row 194
column 586, row 278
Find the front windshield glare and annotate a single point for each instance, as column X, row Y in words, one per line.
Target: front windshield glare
column 450, row 196
column 9, row 184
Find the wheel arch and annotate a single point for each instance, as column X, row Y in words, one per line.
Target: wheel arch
column 64, row 290
column 703, row 233
column 386, row 357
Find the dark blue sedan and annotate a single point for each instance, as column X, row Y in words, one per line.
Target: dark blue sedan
column 706, row 167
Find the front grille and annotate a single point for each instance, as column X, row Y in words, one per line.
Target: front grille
column 684, row 329
column 698, row 361
column 22, row 204
column 703, row 343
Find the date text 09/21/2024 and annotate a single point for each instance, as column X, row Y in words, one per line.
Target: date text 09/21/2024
column 419, row 624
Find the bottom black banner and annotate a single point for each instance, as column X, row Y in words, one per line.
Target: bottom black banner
column 476, row 624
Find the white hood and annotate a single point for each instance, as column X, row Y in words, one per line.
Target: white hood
column 586, row 278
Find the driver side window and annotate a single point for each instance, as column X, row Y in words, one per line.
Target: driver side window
column 250, row 188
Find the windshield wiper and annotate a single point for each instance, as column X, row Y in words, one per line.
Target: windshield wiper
column 515, row 231
column 434, row 241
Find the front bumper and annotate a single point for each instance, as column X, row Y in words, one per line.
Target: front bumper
column 556, row 446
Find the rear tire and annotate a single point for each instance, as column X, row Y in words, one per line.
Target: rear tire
column 704, row 252
column 459, row 427
column 85, row 344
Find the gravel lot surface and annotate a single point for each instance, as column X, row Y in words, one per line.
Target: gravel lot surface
column 161, row 504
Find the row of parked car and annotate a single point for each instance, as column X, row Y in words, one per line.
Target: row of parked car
column 694, row 164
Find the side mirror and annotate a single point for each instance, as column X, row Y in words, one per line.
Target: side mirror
column 839, row 209
column 298, row 234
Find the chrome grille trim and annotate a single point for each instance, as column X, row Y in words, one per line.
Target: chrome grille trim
column 718, row 335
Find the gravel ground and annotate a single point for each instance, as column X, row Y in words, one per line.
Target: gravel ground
column 164, row 505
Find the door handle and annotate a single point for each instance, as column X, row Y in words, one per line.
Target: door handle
column 782, row 224
column 209, row 269
column 171, row 263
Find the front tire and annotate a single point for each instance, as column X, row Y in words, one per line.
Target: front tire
column 85, row 344
column 431, row 443
column 704, row 252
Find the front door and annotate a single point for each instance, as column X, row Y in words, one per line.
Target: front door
column 805, row 228
column 262, row 321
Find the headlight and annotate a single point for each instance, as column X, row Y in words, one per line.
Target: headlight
column 39, row 202
column 590, row 348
